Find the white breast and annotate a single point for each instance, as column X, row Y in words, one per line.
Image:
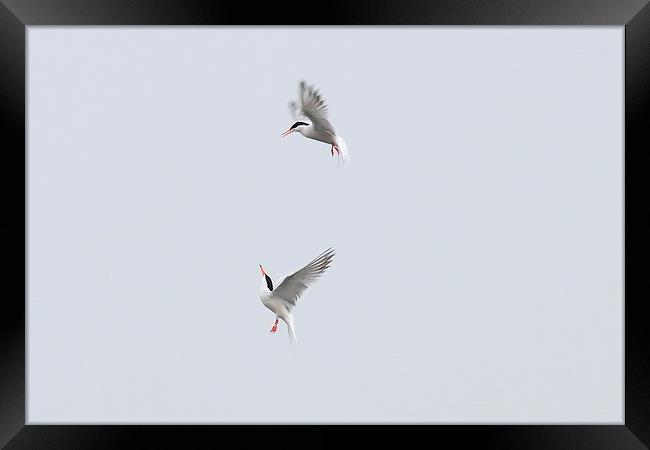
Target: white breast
column 276, row 305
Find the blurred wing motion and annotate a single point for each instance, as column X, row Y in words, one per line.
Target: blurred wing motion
column 312, row 106
column 294, row 285
column 295, row 112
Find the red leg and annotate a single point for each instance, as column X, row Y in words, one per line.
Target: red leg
column 332, row 150
column 275, row 327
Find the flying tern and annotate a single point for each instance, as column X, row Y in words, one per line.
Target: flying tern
column 283, row 298
column 312, row 120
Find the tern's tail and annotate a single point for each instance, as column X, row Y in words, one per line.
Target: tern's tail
column 340, row 143
column 292, row 334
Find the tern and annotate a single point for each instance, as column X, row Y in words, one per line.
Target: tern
column 284, row 297
column 312, row 120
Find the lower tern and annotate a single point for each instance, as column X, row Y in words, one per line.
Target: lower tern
column 284, row 297
column 312, row 120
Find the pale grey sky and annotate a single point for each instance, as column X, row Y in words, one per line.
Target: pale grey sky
column 478, row 275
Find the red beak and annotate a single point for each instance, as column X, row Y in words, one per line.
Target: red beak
column 262, row 269
column 289, row 131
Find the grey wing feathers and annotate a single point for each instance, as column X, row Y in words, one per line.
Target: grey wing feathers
column 294, row 285
column 294, row 110
column 313, row 106
column 311, row 99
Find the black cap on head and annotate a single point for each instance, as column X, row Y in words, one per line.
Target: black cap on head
column 269, row 283
column 297, row 124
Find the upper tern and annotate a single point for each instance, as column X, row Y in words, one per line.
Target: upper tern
column 312, row 120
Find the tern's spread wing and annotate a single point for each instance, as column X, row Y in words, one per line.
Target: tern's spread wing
column 312, row 105
column 294, row 285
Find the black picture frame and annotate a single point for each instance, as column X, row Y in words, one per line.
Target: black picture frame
column 16, row 15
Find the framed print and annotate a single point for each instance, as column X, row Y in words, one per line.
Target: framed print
column 374, row 215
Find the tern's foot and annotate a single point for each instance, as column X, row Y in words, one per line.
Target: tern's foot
column 274, row 329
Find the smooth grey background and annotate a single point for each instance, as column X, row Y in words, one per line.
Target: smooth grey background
column 478, row 275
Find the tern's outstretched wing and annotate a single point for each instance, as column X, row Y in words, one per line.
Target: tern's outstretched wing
column 312, row 105
column 294, row 285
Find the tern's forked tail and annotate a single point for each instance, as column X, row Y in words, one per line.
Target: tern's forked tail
column 292, row 334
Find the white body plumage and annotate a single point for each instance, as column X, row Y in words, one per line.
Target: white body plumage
column 279, row 308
